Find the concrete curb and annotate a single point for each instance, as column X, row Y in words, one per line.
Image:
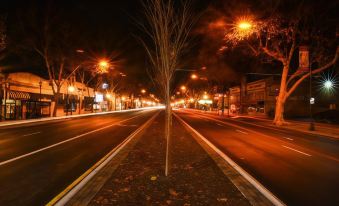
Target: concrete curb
column 4, row 124
column 250, row 179
column 69, row 192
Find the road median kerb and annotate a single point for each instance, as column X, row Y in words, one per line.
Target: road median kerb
column 81, row 183
column 254, row 191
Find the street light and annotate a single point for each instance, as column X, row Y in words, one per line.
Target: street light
column 71, row 89
column 103, row 66
column 194, row 76
column 205, row 96
column 328, row 84
column 183, row 88
column 143, row 91
column 244, row 25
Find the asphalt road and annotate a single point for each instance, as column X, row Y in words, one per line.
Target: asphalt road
column 299, row 168
column 38, row 161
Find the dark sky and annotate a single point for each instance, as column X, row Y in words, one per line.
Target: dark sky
column 107, row 28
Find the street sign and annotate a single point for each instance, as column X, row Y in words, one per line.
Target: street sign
column 312, row 100
column 304, row 63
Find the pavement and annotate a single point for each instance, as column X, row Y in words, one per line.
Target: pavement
column 299, row 168
column 39, row 160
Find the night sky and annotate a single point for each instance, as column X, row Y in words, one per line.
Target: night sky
column 109, row 28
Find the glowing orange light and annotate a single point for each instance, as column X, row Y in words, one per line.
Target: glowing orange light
column 194, row 76
column 71, row 89
column 143, row 91
column 183, row 88
column 244, row 25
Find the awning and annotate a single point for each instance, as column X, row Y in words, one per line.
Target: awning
column 19, row 95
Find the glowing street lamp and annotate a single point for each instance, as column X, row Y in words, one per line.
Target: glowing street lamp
column 328, row 84
column 143, row 91
column 244, row 25
column 71, row 89
column 194, row 76
column 205, row 96
column 103, row 66
column 183, row 88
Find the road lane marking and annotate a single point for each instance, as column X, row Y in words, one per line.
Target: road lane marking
column 63, row 142
column 261, row 188
column 297, row 150
column 220, row 125
column 241, row 131
column 126, row 125
column 26, row 135
column 66, row 195
column 288, row 138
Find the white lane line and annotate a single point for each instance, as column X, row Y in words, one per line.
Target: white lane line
column 297, row 151
column 220, row 125
column 288, row 138
column 241, row 131
column 26, row 135
column 63, row 142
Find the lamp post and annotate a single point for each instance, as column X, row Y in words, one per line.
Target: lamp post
column 312, row 101
column 70, row 89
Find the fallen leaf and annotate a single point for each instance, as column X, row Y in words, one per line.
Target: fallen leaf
column 222, row 199
column 153, row 178
column 173, row 192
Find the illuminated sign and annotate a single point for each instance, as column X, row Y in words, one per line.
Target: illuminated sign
column 205, row 101
column 99, row 98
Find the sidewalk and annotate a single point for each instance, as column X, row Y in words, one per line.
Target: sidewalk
column 323, row 129
column 194, row 178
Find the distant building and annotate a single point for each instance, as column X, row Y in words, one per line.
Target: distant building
column 260, row 98
column 25, row 96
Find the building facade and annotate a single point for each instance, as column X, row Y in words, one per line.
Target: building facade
column 260, row 98
column 26, row 96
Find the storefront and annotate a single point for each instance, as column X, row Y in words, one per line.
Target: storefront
column 23, row 105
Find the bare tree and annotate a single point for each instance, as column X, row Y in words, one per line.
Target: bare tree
column 2, row 48
column 44, row 32
column 168, row 28
column 279, row 38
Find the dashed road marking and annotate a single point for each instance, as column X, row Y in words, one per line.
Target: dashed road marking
column 26, row 135
column 241, row 131
column 288, row 138
column 220, row 125
column 297, row 150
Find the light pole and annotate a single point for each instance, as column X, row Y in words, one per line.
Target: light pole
column 312, row 127
column 70, row 89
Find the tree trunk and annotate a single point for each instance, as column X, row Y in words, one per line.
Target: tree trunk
column 56, row 100
column 80, row 103
column 168, row 125
column 280, row 103
column 223, row 104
